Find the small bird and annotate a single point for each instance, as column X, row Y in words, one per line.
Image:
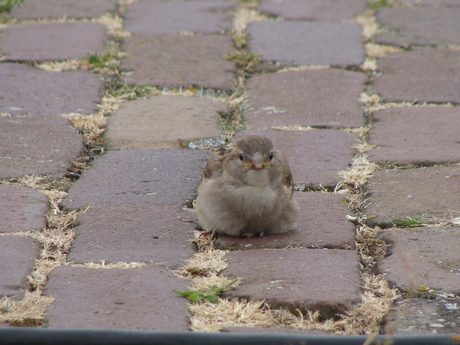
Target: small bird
column 246, row 190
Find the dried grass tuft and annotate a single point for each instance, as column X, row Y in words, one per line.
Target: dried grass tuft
column 211, row 317
column 26, row 312
column 204, row 264
column 112, row 265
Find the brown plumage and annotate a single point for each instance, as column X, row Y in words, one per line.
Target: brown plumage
column 246, row 189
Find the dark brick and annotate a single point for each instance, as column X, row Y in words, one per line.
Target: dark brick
column 23, row 209
column 142, row 298
column 179, row 61
column 321, row 224
column 322, row 279
column 419, row 26
column 29, row 91
column 422, row 192
column 307, row 43
column 315, row 157
column 423, row 75
column 416, row 135
column 139, row 178
column 324, row 97
column 155, row 234
column 37, row 146
column 52, row 41
column 424, row 257
column 159, row 17
column 41, row 9
column 17, row 259
column 314, row 9
column 176, row 120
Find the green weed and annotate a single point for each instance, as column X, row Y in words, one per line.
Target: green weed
column 212, row 295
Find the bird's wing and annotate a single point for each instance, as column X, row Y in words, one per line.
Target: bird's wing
column 288, row 181
column 215, row 164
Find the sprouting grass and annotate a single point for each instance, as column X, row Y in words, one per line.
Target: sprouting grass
column 99, row 61
column 212, row 295
column 7, row 5
column 378, row 4
column 408, row 222
column 131, row 92
column 244, row 60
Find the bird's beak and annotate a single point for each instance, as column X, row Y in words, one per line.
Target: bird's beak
column 258, row 162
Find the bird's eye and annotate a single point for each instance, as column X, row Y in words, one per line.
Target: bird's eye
column 271, row 156
column 240, row 156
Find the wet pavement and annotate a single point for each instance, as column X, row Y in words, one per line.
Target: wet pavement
column 332, row 96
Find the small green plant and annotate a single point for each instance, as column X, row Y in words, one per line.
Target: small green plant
column 7, row 5
column 99, row 61
column 409, row 222
column 378, row 4
column 212, row 295
column 245, row 60
column 131, row 92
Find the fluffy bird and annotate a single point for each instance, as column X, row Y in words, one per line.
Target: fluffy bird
column 246, row 189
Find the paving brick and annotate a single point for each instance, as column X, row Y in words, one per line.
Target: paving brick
column 409, row 26
column 47, row 9
column 139, row 178
column 324, row 97
column 423, row 75
column 142, row 298
column 17, row 259
column 179, row 61
column 155, row 234
column 434, row 138
column 314, row 9
column 307, row 43
column 315, row 157
column 164, row 122
column 37, row 146
column 23, row 209
column 425, row 316
column 321, row 279
column 27, row 90
column 424, row 257
column 422, row 192
column 321, row 224
column 52, row 41
column 159, row 17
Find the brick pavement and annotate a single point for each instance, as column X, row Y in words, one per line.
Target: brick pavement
column 140, row 192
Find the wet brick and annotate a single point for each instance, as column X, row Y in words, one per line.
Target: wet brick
column 52, row 41
column 155, row 234
column 139, row 178
column 142, row 298
column 434, row 78
column 323, row 97
column 323, row 279
column 164, row 122
column 23, row 209
column 171, row 61
column 307, row 43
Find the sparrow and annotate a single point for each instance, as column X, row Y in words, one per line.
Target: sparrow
column 246, row 190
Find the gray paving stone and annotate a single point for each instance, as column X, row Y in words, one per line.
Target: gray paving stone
column 52, row 41
column 179, row 61
column 160, row 17
column 17, row 259
column 425, row 316
column 324, row 97
column 142, row 298
column 27, row 90
column 139, row 178
column 423, row 75
column 321, row 224
column 409, row 26
column 47, row 9
column 23, row 209
column 323, row 279
column 424, row 257
column 315, row 157
column 164, row 122
column 422, row 192
column 37, row 146
column 314, row 9
column 416, row 135
column 304, row 43
column 155, row 234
